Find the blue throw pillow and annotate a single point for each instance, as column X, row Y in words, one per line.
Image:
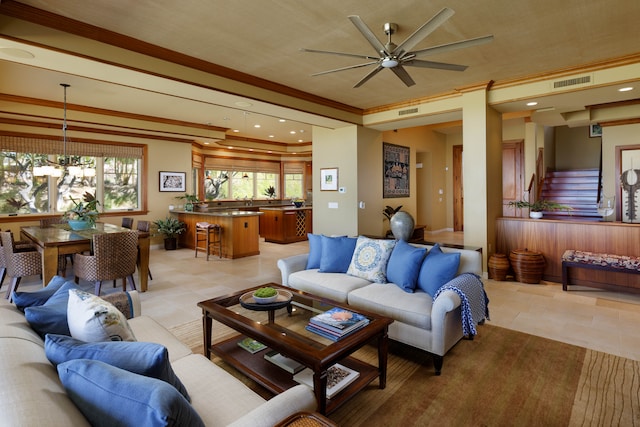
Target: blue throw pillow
column 437, row 269
column 23, row 300
column 315, row 251
column 109, row 396
column 336, row 254
column 404, row 265
column 51, row 317
column 144, row 358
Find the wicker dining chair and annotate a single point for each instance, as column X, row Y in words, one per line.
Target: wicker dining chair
column 127, row 222
column 143, row 226
column 20, row 261
column 114, row 257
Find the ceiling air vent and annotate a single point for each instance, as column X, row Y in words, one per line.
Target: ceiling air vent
column 576, row 81
column 408, row 111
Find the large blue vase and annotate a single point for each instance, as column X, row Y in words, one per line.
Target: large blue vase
column 402, row 225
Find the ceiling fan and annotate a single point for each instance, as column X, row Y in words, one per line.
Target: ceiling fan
column 395, row 57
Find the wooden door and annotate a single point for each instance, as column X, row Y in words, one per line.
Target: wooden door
column 512, row 179
column 458, row 190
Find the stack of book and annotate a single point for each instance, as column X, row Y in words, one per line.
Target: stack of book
column 336, row 323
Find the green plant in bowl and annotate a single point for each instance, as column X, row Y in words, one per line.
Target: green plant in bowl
column 265, row 295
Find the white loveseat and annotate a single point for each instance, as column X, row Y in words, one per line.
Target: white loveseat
column 419, row 321
column 31, row 393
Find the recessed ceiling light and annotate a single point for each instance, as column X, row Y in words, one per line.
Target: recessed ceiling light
column 250, row 149
column 17, row 53
column 282, row 120
column 293, row 132
column 206, row 143
column 625, row 89
column 269, row 151
column 236, row 130
column 271, row 136
column 243, row 104
column 256, row 126
column 230, row 147
column 299, row 140
column 532, row 103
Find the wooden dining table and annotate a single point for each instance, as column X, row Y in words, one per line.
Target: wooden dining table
column 59, row 239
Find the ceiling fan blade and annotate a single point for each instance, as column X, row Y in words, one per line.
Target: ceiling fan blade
column 426, row 29
column 344, row 68
column 452, row 46
column 352, row 55
column 368, row 76
column 368, row 34
column 437, row 65
column 403, row 75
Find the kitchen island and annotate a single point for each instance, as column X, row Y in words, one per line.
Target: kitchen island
column 285, row 224
column 240, row 230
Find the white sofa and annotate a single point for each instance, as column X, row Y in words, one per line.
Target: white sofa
column 31, row 393
column 419, row 321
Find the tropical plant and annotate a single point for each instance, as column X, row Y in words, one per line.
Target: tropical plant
column 541, row 205
column 388, row 211
column 270, row 192
column 190, row 198
column 84, row 210
column 170, row 227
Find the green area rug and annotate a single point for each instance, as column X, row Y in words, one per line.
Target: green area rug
column 501, row 378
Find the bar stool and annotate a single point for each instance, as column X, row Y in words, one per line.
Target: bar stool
column 211, row 236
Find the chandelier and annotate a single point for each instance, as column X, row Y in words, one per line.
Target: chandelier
column 67, row 164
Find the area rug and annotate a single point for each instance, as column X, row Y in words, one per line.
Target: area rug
column 501, row 378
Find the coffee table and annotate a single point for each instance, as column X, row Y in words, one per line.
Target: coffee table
column 283, row 330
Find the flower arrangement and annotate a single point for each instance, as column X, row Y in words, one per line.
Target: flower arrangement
column 84, row 210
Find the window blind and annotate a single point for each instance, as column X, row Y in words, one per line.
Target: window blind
column 51, row 146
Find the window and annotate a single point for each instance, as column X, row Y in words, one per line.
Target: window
column 242, row 185
column 216, row 185
column 222, row 184
column 293, row 185
column 111, row 172
column 264, row 181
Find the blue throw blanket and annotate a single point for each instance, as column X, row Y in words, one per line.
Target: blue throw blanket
column 474, row 301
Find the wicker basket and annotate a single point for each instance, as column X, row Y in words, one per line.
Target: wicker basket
column 528, row 266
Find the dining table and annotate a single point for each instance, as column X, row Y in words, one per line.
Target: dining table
column 60, row 239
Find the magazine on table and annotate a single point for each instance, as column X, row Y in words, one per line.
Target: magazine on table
column 251, row 345
column 329, row 334
column 339, row 320
column 285, row 363
column 338, row 377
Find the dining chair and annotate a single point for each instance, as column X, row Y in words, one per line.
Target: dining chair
column 62, row 259
column 127, row 222
column 19, row 261
column 143, row 226
column 114, row 257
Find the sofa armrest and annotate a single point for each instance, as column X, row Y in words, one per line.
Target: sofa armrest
column 291, row 265
column 446, row 302
column 296, row 399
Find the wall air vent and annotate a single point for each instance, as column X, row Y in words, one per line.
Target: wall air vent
column 576, row 81
column 408, row 111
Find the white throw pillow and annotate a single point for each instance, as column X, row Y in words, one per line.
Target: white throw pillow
column 92, row 319
column 369, row 260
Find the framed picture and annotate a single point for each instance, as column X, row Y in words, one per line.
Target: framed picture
column 173, row 181
column 329, row 179
column 595, row 130
column 395, row 173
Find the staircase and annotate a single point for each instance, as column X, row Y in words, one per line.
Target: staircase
column 575, row 188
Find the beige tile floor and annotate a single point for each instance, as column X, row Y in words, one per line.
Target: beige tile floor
column 603, row 321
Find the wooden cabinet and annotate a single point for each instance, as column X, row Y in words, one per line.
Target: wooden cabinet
column 285, row 225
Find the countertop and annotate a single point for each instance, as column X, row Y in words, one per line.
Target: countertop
column 227, row 213
column 284, row 208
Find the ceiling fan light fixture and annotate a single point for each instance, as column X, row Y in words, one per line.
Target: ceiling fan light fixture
column 389, row 62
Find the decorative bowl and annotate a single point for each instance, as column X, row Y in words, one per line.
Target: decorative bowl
column 78, row 224
column 260, row 298
column 298, row 204
column 267, row 300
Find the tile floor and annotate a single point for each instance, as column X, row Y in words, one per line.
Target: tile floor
column 603, row 321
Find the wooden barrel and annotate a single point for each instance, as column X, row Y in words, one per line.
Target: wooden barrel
column 528, row 266
column 498, row 267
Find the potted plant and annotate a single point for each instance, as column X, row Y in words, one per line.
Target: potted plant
column 542, row 205
column 84, row 213
column 170, row 227
column 191, row 199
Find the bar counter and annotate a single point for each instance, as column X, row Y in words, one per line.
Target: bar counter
column 240, row 230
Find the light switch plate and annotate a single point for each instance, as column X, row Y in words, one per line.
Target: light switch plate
column 333, row 205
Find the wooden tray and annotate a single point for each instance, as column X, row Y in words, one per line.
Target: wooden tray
column 283, row 299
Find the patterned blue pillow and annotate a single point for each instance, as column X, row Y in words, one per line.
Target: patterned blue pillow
column 404, row 265
column 23, row 300
column 370, row 259
column 109, row 396
column 336, row 254
column 437, row 269
column 144, row 358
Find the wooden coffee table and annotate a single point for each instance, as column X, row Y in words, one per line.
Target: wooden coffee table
column 283, row 330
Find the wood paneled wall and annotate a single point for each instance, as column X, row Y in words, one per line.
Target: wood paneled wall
column 553, row 237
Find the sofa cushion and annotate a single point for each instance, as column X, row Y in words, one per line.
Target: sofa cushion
column 315, row 251
column 149, row 330
column 391, row 301
column 336, row 254
column 109, row 396
column 334, row 286
column 144, row 358
column 404, row 265
column 51, row 317
column 93, row 319
column 437, row 269
column 370, row 257
column 23, row 300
